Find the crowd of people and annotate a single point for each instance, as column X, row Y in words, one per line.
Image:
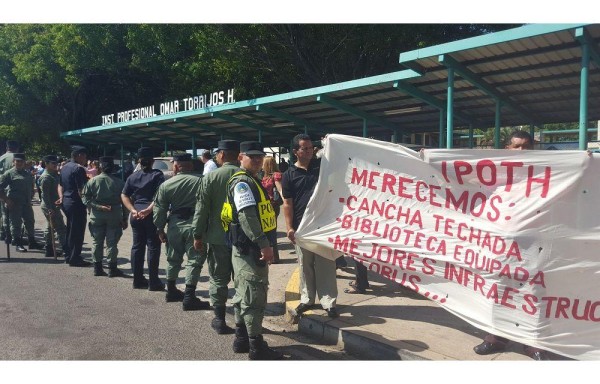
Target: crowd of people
column 225, row 217
column 184, row 213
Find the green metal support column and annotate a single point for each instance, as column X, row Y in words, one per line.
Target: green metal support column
column 532, row 132
column 365, row 128
column 122, row 164
column 194, row 147
column 442, row 142
column 166, row 148
column 305, row 130
column 583, row 96
column 471, row 136
column 260, row 135
column 497, row 125
column 450, row 109
column 395, row 137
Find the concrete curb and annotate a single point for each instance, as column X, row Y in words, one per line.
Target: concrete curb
column 336, row 332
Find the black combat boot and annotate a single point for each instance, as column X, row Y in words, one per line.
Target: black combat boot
column 34, row 244
column 191, row 302
column 113, row 271
column 98, row 270
column 173, row 294
column 218, row 322
column 241, row 343
column 49, row 252
column 259, row 350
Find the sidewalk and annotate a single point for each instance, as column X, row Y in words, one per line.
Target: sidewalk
column 389, row 322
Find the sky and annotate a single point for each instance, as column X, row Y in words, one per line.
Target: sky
column 306, row 11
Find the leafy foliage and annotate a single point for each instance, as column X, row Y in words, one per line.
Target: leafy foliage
column 59, row 77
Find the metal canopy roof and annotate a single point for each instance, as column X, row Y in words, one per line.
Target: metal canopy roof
column 534, row 72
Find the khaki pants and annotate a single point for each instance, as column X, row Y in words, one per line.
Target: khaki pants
column 317, row 276
column 220, row 270
column 251, row 286
column 180, row 241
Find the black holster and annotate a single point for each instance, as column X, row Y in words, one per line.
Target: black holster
column 244, row 245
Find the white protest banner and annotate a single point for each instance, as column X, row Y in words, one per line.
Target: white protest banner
column 506, row 240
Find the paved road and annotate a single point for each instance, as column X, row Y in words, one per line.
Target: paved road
column 50, row 311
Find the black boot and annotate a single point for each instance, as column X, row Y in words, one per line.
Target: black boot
column 241, row 343
column 259, row 350
column 113, row 271
column 191, row 302
column 173, row 294
column 218, row 323
column 98, row 270
column 34, row 244
column 49, row 251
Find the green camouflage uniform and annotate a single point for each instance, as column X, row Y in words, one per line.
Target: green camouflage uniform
column 178, row 196
column 105, row 190
column 251, row 278
column 207, row 227
column 6, row 163
column 19, row 188
column 49, row 187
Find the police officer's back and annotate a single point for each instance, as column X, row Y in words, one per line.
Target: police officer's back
column 108, row 218
column 178, row 197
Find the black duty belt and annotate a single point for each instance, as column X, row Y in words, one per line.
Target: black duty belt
column 183, row 213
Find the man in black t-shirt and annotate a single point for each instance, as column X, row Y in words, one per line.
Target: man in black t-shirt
column 317, row 274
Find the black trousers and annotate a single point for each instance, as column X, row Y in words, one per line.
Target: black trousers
column 362, row 282
column 145, row 236
column 76, row 215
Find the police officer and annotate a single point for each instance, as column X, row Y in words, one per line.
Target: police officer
column 6, row 163
column 178, row 196
column 49, row 191
column 72, row 179
column 108, row 217
column 208, row 229
column 19, row 182
column 137, row 196
column 251, row 224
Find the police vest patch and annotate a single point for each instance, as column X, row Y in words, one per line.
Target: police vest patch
column 243, row 196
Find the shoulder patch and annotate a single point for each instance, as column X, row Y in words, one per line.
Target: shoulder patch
column 243, row 196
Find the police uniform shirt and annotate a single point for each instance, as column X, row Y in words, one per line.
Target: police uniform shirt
column 72, row 178
column 178, row 192
column 209, row 202
column 103, row 190
column 299, row 184
column 245, row 197
column 49, row 186
column 141, row 186
column 20, row 182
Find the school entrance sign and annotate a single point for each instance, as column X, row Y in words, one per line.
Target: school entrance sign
column 506, row 240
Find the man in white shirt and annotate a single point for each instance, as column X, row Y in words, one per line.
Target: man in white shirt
column 209, row 164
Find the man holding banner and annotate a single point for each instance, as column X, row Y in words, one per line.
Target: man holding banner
column 518, row 141
column 505, row 240
column 317, row 274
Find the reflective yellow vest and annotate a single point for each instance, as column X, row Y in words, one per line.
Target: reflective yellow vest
column 266, row 213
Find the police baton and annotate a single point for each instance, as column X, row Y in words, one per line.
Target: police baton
column 7, row 238
column 52, row 232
